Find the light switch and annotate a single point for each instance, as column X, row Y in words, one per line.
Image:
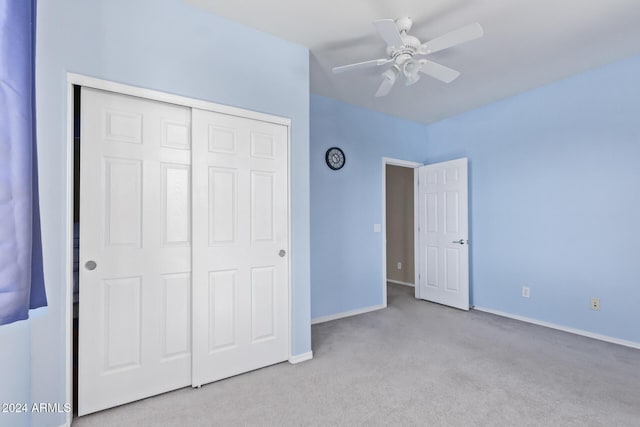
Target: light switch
column 377, row 228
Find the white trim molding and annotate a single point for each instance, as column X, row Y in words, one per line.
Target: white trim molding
column 155, row 95
column 397, row 282
column 399, row 162
column 68, row 300
column 299, row 358
column 349, row 313
column 575, row 331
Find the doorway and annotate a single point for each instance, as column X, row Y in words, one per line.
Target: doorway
column 399, row 222
column 400, row 232
column 439, row 229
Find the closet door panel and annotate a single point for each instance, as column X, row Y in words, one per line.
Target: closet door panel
column 240, row 245
column 135, row 249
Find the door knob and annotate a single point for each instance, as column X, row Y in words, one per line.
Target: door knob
column 461, row 242
column 282, row 253
column 90, row 265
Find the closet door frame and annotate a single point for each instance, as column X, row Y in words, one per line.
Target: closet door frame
column 91, row 82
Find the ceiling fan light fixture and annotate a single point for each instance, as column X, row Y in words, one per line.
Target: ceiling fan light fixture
column 412, row 79
column 410, row 68
column 391, row 74
column 410, row 71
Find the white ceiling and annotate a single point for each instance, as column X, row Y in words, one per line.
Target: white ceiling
column 527, row 43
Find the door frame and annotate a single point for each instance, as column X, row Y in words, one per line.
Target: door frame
column 407, row 164
column 153, row 95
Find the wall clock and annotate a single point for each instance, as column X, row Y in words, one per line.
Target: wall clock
column 335, row 158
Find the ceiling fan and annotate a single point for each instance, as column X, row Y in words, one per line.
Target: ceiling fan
column 405, row 53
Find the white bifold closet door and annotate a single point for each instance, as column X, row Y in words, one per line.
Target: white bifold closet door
column 135, row 249
column 240, row 245
column 184, row 248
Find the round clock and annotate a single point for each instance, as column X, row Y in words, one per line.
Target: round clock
column 335, row 158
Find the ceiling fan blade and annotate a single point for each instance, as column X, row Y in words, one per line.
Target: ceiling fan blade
column 459, row 36
column 438, row 71
column 356, row 66
column 389, row 32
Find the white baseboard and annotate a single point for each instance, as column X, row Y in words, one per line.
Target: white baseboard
column 298, row 358
column 347, row 314
column 397, row 282
column 584, row 333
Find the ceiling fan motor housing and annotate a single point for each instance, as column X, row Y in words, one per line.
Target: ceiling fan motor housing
column 410, row 44
column 404, row 24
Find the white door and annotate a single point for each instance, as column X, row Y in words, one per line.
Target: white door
column 135, row 261
column 240, row 245
column 443, row 234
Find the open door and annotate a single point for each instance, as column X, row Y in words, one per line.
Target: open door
column 443, row 234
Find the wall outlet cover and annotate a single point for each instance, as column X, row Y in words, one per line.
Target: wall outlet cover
column 526, row 292
column 595, row 303
column 399, row 266
column 377, row 228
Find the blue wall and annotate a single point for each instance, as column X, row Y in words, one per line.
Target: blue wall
column 346, row 255
column 15, row 373
column 555, row 203
column 169, row 46
column 554, row 200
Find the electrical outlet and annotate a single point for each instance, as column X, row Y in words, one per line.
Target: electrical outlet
column 526, row 292
column 595, row 303
column 399, row 266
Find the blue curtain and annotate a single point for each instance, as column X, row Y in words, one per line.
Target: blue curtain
column 21, row 275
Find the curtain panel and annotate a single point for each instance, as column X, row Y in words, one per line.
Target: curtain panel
column 21, row 272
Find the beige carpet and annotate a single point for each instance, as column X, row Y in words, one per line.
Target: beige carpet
column 416, row 363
